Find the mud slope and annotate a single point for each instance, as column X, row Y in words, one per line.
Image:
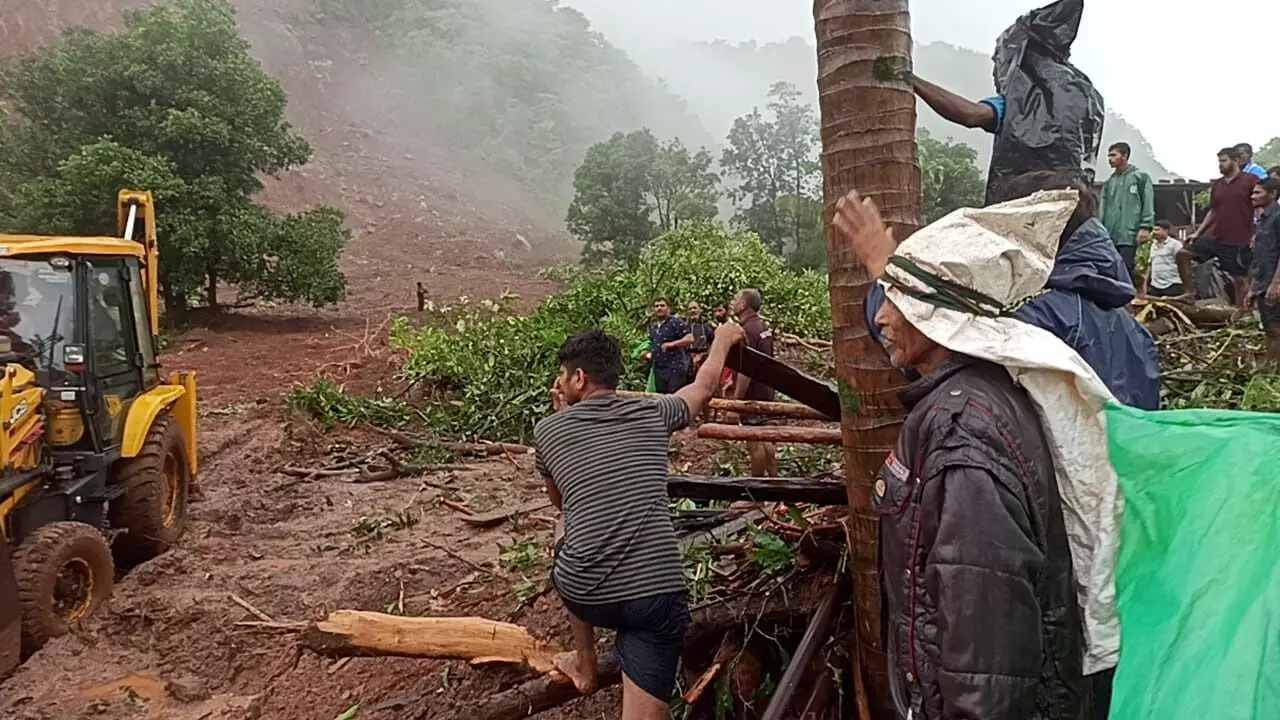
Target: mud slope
column 414, row 202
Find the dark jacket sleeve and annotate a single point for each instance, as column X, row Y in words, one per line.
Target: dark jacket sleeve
column 979, row 572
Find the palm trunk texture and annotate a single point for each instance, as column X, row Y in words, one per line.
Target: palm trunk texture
column 868, row 144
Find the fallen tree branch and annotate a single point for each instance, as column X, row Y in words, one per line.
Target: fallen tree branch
column 537, row 695
column 353, row 633
column 771, row 434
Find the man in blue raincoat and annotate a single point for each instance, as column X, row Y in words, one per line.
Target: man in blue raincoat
column 1085, row 300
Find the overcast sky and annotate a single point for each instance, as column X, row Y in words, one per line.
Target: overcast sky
column 1160, row 63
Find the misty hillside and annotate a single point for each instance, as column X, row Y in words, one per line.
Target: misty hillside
column 723, row 81
column 528, row 85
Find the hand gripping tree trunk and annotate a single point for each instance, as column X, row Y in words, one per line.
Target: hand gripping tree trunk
column 868, row 144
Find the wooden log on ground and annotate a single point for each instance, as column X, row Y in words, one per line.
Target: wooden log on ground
column 771, row 434
column 795, row 411
column 817, row 491
column 539, row 694
column 354, row 633
column 708, row 624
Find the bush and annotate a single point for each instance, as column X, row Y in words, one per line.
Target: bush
column 486, row 371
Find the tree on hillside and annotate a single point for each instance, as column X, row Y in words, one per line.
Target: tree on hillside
column 1269, row 155
column 868, row 142
column 949, row 176
column 175, row 104
column 682, row 186
column 771, row 157
column 610, row 213
column 527, row 84
column 630, row 188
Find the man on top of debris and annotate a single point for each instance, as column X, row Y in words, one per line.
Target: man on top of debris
column 1266, row 259
column 976, row 567
column 1086, row 299
column 1227, row 230
column 619, row 565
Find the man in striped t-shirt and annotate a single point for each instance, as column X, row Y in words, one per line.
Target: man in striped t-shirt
column 619, row 566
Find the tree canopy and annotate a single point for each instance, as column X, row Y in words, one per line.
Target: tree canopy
column 173, row 104
column 1268, row 156
column 950, row 176
column 770, row 156
column 631, row 188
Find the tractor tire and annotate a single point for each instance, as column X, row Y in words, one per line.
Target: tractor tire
column 64, row 573
column 152, row 509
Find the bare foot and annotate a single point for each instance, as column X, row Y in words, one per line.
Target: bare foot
column 581, row 672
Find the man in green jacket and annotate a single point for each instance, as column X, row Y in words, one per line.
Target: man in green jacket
column 1128, row 206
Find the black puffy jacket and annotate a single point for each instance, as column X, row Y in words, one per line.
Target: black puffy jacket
column 982, row 620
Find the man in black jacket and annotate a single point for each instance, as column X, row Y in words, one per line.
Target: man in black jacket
column 982, row 615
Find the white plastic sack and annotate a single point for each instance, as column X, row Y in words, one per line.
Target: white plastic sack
column 1006, row 252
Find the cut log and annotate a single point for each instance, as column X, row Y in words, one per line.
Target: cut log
column 353, row 633
column 795, row 411
column 817, row 491
column 709, row 624
column 785, row 379
column 771, row 434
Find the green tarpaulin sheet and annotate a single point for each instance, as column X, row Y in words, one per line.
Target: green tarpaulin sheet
column 1198, row 572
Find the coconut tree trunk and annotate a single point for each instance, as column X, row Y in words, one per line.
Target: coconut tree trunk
column 868, row 117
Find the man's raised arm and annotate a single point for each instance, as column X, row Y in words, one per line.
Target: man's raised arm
column 698, row 394
column 956, row 109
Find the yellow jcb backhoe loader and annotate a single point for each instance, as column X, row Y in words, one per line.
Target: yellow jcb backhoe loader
column 97, row 448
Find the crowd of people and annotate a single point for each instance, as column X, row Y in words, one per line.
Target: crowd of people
column 1240, row 234
column 679, row 347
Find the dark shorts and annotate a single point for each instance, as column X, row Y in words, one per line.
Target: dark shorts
column 650, row 637
column 1129, row 254
column 670, row 380
column 1234, row 261
column 1174, row 290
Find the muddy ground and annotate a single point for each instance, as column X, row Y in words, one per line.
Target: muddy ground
column 168, row 645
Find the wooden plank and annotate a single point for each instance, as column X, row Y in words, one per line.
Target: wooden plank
column 816, row 491
column 787, row 380
column 771, row 434
column 795, row 411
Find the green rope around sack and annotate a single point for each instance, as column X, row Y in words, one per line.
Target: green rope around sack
column 946, row 294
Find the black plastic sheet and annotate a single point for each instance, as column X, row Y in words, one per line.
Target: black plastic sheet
column 1053, row 115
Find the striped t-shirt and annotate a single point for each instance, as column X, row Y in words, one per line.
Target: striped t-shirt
column 608, row 458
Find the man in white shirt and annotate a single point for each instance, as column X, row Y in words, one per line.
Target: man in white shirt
column 1163, row 279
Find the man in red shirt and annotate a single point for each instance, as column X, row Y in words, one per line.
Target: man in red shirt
column 746, row 305
column 1227, row 231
